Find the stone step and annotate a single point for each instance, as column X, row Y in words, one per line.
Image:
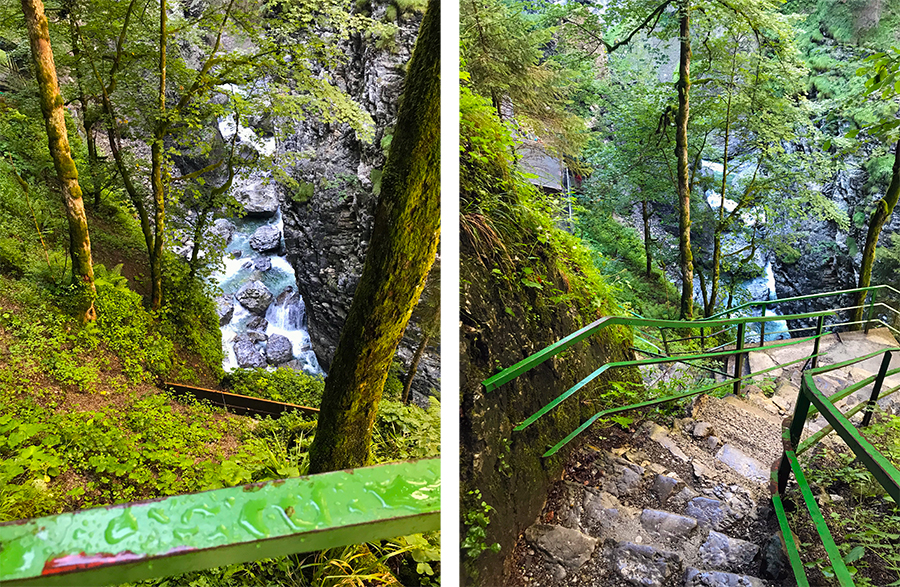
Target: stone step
column 697, row 578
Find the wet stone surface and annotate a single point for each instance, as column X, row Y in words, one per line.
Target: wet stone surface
column 726, row 553
column 708, row 512
column 663, row 487
column 667, row 526
column 564, row 546
column 644, row 565
column 698, row 578
column 256, row 297
column 279, row 349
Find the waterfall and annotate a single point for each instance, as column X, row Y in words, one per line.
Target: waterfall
column 247, row 335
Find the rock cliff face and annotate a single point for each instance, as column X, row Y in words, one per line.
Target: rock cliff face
column 328, row 221
column 830, row 257
column 500, row 328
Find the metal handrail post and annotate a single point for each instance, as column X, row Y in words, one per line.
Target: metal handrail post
column 739, row 360
column 871, row 309
column 762, row 329
column 820, row 322
column 702, row 341
column 665, row 341
column 876, row 390
column 793, row 434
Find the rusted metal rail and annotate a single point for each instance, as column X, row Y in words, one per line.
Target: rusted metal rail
column 239, row 404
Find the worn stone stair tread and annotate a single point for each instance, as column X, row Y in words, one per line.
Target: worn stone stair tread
column 645, row 565
column 757, row 433
column 698, row 578
column 752, row 410
column 561, row 545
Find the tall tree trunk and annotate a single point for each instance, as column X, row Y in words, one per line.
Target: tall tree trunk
column 88, row 120
column 681, row 155
column 156, row 172
column 646, row 212
column 403, row 247
column 702, row 279
column 883, row 210
column 413, row 366
column 710, row 306
column 58, row 140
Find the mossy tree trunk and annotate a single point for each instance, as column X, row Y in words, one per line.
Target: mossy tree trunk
column 58, row 140
column 681, row 154
column 646, row 213
column 883, row 210
column 403, row 248
column 156, row 170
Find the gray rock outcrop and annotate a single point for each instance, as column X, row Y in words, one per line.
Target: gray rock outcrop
column 258, row 198
column 256, row 297
column 279, row 349
column 246, row 353
column 266, row 238
column 225, row 309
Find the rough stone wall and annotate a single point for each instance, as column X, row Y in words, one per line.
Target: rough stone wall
column 327, row 231
column 506, row 466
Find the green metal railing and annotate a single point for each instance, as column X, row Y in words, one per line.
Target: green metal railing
column 810, row 400
column 882, row 470
column 713, row 322
column 182, row 533
column 738, row 378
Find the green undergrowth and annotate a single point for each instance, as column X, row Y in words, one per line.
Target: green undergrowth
column 863, row 519
column 618, row 252
column 512, row 228
column 401, row 431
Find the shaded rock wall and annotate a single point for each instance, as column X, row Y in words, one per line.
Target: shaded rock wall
column 506, row 466
column 327, row 223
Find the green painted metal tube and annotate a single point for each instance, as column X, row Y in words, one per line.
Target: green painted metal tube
column 834, row 555
column 542, row 355
column 603, row 368
column 648, row 403
column 183, row 533
column 882, row 469
column 789, row 543
column 818, row 436
column 797, row 299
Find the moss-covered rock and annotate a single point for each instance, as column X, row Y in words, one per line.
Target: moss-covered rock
column 502, row 324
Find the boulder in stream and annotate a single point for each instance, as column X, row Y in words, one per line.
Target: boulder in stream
column 256, row 297
column 224, row 229
column 262, row 263
column 257, row 323
column 279, row 349
column 258, row 198
column 225, row 309
column 266, row 238
column 246, row 353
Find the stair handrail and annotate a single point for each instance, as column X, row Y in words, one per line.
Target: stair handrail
column 552, row 350
column 156, row 538
column 887, row 475
column 754, row 304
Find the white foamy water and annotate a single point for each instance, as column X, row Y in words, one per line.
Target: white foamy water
column 287, row 318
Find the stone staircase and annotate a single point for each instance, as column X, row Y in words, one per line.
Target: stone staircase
column 687, row 506
column 675, row 507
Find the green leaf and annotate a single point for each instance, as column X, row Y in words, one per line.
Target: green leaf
column 854, row 555
column 530, row 283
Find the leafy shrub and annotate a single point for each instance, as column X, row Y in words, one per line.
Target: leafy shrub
column 127, row 328
column 407, row 431
column 281, row 385
column 188, row 315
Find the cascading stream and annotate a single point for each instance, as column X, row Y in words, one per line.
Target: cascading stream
column 262, row 315
column 762, row 287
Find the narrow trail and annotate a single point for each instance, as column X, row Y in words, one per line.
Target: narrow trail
column 687, row 506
